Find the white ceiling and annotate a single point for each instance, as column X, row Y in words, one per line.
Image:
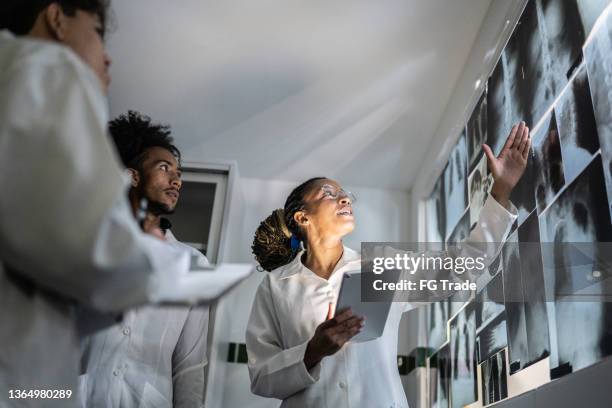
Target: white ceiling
column 350, row 89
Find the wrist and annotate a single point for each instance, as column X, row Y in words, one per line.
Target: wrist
column 310, row 357
column 501, row 194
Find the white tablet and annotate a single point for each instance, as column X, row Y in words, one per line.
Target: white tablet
column 375, row 313
column 204, row 284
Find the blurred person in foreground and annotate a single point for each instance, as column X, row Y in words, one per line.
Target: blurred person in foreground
column 67, row 233
column 156, row 356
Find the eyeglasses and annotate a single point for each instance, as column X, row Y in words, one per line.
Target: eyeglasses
column 331, row 193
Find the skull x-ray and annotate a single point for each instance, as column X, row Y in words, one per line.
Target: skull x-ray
column 480, row 183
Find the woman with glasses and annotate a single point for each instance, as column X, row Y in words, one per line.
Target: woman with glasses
column 298, row 351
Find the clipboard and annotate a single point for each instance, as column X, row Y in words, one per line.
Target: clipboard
column 375, row 313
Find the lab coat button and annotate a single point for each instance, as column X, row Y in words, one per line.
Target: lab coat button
column 126, row 331
column 115, row 373
column 342, row 384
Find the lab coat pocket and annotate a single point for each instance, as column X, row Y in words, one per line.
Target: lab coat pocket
column 82, row 390
column 151, row 398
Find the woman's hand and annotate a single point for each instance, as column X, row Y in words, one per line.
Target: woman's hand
column 331, row 335
column 510, row 165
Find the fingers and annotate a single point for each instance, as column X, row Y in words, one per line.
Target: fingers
column 525, row 141
column 353, row 324
column 525, row 152
column 332, row 338
column 348, row 334
column 341, row 316
column 524, row 136
column 511, row 138
column 518, row 134
column 345, row 331
column 488, row 152
column 330, row 312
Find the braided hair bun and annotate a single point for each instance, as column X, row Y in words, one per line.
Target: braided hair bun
column 272, row 241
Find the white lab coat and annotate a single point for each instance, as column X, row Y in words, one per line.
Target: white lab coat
column 292, row 301
column 67, row 234
column 154, row 358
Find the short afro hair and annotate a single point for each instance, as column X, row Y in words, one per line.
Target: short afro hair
column 134, row 133
column 19, row 16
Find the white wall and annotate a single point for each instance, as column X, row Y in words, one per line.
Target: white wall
column 382, row 215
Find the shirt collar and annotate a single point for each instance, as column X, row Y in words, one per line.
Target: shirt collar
column 350, row 258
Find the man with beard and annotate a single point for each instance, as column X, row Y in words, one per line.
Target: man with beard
column 156, row 355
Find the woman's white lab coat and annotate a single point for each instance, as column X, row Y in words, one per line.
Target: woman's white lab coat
column 292, row 301
column 67, row 234
column 154, row 358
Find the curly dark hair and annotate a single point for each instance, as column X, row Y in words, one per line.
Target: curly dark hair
column 19, row 16
column 134, row 133
column 272, row 241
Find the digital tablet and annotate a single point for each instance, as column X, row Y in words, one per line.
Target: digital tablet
column 204, row 284
column 375, row 313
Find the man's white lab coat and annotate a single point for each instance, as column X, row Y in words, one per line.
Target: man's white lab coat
column 154, row 358
column 292, row 301
column 67, row 234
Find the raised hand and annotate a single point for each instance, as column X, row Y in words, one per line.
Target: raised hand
column 331, row 335
column 509, row 166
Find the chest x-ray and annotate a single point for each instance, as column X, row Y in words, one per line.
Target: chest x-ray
column 436, row 213
column 576, row 125
column 477, row 131
column 455, row 185
column 439, row 363
column 437, row 320
column 555, row 73
column 547, row 162
column 462, row 340
column 571, row 229
column 562, row 35
column 598, row 57
column 525, row 64
column 494, row 378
